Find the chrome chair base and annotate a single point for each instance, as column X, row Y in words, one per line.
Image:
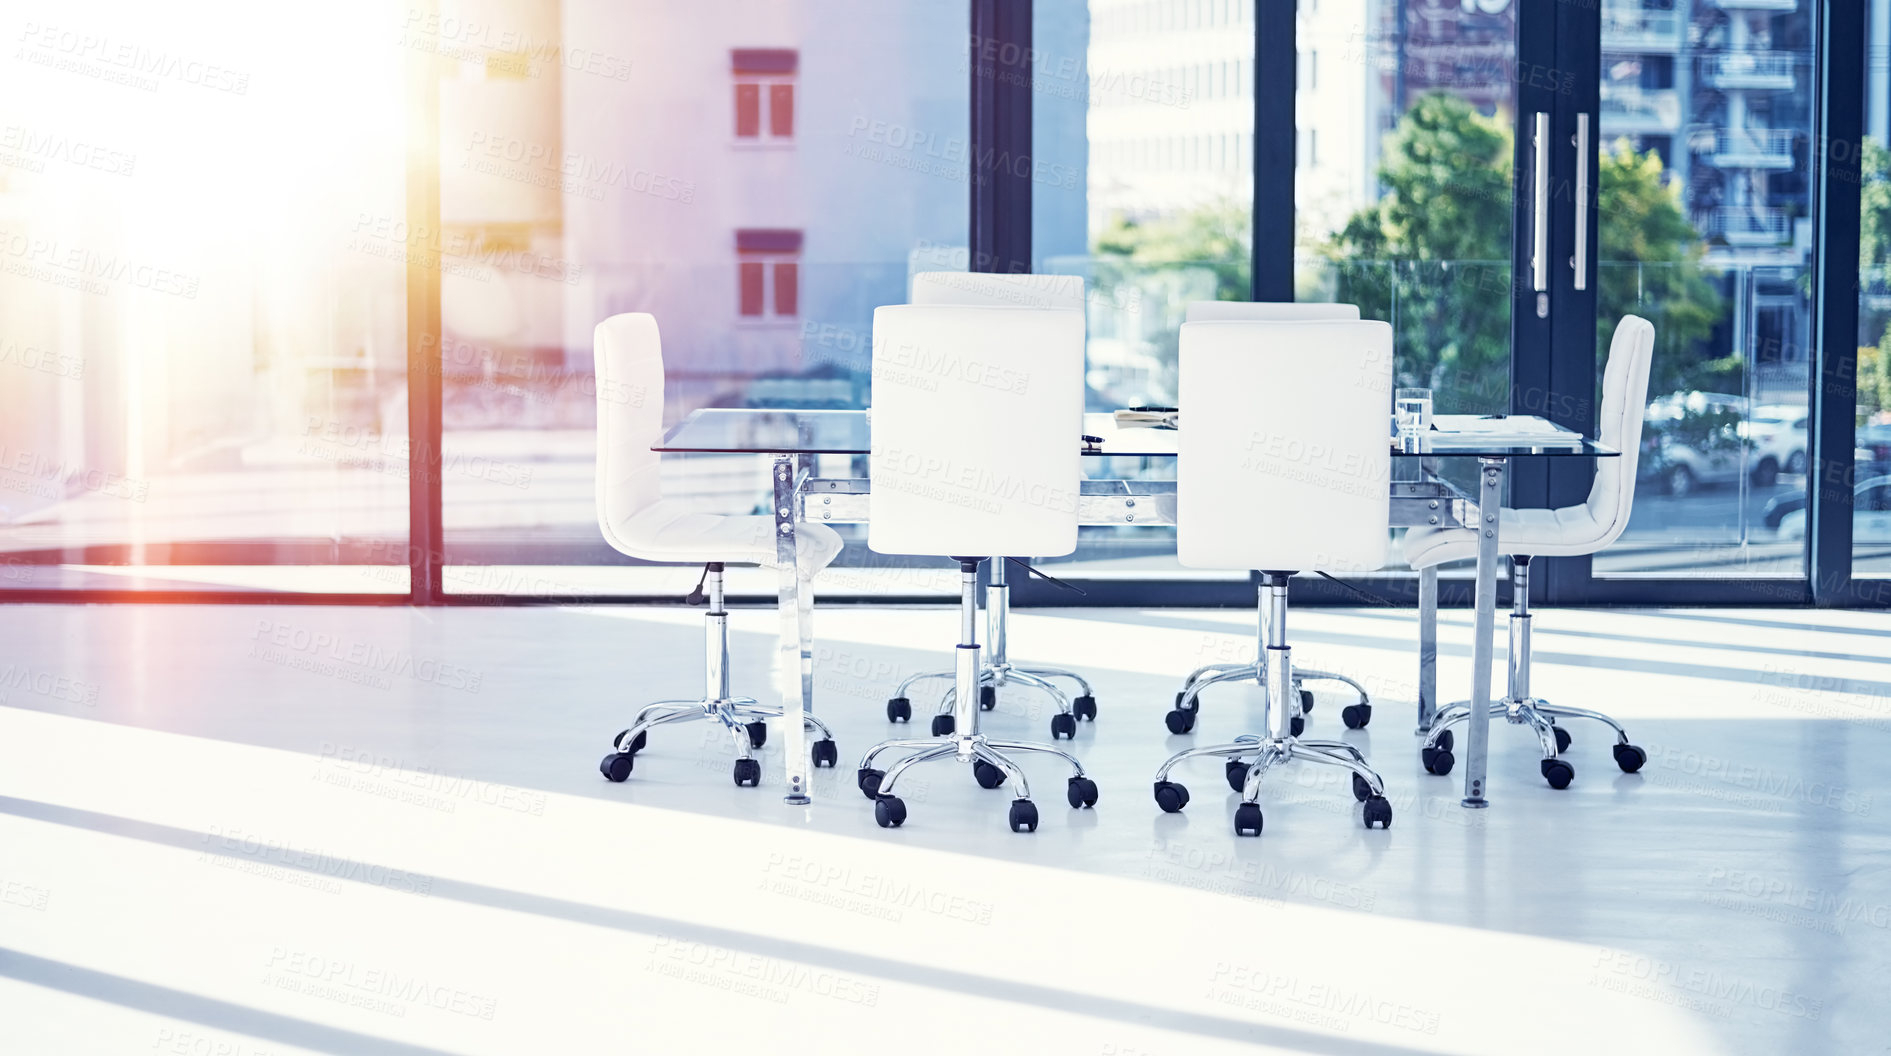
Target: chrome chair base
column 991, row 677
column 991, row 767
column 743, row 717
column 1519, row 708
column 998, row 671
column 961, row 740
column 1540, row 715
column 1181, row 719
column 1250, row 757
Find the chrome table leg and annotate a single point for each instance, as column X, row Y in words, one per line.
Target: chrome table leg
column 1490, row 498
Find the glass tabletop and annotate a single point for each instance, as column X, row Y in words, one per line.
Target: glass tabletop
column 743, row 430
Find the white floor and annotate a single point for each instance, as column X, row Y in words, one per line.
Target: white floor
column 248, row 830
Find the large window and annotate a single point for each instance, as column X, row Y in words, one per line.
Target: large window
column 216, row 309
column 203, row 251
column 608, row 158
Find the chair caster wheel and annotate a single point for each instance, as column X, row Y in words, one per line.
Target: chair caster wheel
column 1180, row 720
column 1362, row 788
column 1306, row 702
column 869, row 781
column 825, row 754
column 758, row 734
column 889, row 811
column 1558, row 773
column 1171, row 797
column 635, row 746
column 941, row 725
column 1437, row 760
column 1630, row 758
column 899, row 709
column 1377, row 810
column 1247, row 819
column 987, row 775
column 616, row 766
column 1023, row 816
column 748, row 773
column 1356, row 716
column 1085, row 708
column 1237, row 772
column 1562, row 739
column 1296, row 725
column 1064, row 725
column 987, row 698
column 1081, row 792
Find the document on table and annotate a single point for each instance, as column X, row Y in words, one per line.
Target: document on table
column 1525, row 427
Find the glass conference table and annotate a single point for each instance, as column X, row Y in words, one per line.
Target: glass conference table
column 1421, row 499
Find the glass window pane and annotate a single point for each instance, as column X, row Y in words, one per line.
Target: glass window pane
column 202, row 314
column 1704, row 209
column 752, row 291
column 1403, row 192
column 1871, row 516
column 761, row 254
column 748, row 109
column 781, row 110
column 1140, row 194
column 786, row 291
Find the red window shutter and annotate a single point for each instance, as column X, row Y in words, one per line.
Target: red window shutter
column 787, row 288
column 748, row 110
column 751, row 299
column 781, row 110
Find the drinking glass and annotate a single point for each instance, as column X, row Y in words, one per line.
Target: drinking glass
column 1411, row 409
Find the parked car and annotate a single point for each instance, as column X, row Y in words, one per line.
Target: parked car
column 1691, row 440
column 1867, row 463
column 1777, row 433
column 1871, row 513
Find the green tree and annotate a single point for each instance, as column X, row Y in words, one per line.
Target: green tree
column 1215, row 236
column 1874, row 254
column 1650, row 265
column 1161, row 264
column 1432, row 253
column 1437, row 246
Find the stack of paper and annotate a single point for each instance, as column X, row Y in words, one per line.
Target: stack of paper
column 1523, row 425
column 1146, row 419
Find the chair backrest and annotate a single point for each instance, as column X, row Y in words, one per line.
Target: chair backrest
column 629, row 360
column 1285, row 445
column 996, row 290
column 1269, row 311
column 1624, row 403
column 977, row 420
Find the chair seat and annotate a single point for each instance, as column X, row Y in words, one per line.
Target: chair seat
column 1569, row 532
column 668, row 530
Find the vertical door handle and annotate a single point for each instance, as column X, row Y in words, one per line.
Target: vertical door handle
column 1540, row 214
column 1581, row 260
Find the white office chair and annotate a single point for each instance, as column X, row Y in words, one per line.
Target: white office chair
column 637, row 520
column 1181, row 719
column 1019, row 291
column 1284, row 464
column 1569, row 532
column 965, row 468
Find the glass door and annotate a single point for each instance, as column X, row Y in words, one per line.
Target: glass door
column 1704, row 226
column 1689, row 200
